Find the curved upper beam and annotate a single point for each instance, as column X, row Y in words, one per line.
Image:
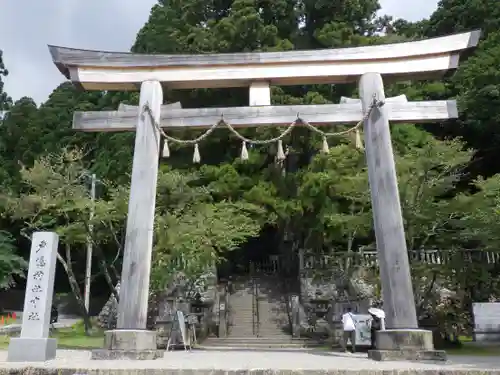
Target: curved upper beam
column 100, row 70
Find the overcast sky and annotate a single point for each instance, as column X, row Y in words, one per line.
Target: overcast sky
column 27, row 26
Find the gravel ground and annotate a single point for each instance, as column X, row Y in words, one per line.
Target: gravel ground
column 205, row 362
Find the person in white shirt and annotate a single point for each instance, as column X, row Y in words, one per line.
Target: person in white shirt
column 349, row 328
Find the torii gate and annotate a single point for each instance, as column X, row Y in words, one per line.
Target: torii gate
column 97, row 70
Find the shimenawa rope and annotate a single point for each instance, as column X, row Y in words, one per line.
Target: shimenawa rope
column 244, row 152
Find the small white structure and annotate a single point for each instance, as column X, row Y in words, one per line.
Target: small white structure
column 486, row 321
column 363, row 333
column 33, row 344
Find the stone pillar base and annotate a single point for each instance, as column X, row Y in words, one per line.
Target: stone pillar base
column 128, row 344
column 31, row 350
column 405, row 344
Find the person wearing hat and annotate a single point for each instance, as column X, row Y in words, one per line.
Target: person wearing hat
column 377, row 324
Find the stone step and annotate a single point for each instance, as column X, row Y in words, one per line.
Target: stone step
column 242, row 347
column 257, row 343
column 261, row 341
column 262, row 335
column 249, row 333
column 254, row 340
column 244, row 323
column 267, row 332
column 262, row 327
column 250, row 312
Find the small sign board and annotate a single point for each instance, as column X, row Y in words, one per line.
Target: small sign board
column 182, row 327
column 486, row 321
column 363, row 333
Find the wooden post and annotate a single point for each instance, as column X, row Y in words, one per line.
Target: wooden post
column 399, row 304
column 260, row 93
column 134, row 291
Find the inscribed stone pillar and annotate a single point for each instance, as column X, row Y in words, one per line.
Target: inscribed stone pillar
column 34, row 344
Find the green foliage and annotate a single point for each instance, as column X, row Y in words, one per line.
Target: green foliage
column 193, row 233
column 335, row 200
column 454, row 16
column 479, row 100
column 10, row 263
column 5, row 100
column 55, row 197
column 427, row 176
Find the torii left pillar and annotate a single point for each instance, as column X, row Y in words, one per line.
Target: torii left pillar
column 131, row 339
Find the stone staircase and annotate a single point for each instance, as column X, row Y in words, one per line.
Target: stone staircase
column 243, row 332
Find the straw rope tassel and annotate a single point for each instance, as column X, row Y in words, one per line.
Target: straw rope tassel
column 244, row 151
column 280, row 154
column 166, row 151
column 325, row 149
column 196, row 154
column 359, row 142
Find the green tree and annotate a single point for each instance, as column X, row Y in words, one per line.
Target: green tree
column 474, row 84
column 478, row 83
column 5, row 103
column 5, row 100
column 194, row 233
column 10, row 264
column 55, row 197
column 427, row 177
column 453, row 16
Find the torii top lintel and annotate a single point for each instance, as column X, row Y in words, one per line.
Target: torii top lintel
column 99, row 70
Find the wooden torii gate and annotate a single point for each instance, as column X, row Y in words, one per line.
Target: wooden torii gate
column 97, row 70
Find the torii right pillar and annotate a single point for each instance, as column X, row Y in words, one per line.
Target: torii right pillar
column 402, row 339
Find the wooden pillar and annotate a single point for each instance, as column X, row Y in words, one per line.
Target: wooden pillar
column 260, row 93
column 134, row 290
column 399, row 304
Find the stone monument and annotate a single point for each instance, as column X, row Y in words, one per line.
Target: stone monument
column 34, row 343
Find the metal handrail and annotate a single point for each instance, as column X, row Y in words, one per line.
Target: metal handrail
column 255, row 308
column 255, row 301
column 223, row 314
column 227, row 311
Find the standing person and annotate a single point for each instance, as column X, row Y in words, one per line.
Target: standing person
column 374, row 327
column 377, row 324
column 54, row 314
column 349, row 330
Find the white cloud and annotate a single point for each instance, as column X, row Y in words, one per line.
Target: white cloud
column 27, row 26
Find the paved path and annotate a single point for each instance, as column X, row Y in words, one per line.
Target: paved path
column 240, row 362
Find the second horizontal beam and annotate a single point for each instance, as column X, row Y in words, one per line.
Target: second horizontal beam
column 283, row 115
